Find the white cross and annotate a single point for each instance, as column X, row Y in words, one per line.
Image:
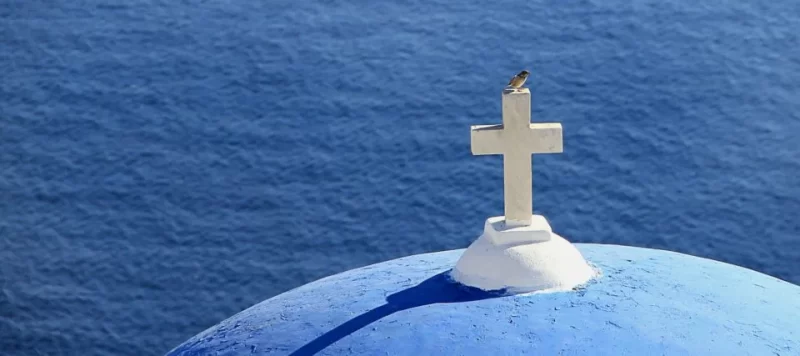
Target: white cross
column 516, row 139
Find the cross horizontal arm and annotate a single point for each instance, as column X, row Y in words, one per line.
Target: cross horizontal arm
column 539, row 138
column 487, row 139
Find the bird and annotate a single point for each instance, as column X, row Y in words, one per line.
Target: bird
column 519, row 79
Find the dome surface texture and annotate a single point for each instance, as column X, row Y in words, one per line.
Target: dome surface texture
column 644, row 302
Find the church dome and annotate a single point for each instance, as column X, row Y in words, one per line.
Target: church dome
column 642, row 302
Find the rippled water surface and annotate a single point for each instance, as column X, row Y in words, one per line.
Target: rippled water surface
column 165, row 164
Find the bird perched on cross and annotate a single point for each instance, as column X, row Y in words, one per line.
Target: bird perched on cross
column 518, row 80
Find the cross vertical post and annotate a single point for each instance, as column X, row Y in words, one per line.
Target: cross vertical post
column 517, row 163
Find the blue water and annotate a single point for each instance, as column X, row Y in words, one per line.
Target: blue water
column 165, row 164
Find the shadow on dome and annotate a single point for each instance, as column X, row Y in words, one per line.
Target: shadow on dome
column 438, row 289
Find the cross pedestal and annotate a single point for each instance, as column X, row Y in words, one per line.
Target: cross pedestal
column 516, row 139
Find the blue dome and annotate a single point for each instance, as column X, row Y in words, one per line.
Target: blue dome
column 645, row 302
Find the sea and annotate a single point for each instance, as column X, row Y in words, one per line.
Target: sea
column 165, row 164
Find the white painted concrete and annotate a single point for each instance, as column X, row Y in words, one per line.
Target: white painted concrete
column 531, row 261
column 519, row 252
column 499, row 233
column 516, row 139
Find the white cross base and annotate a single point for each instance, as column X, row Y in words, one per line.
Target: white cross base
column 516, row 139
column 499, row 233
